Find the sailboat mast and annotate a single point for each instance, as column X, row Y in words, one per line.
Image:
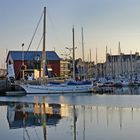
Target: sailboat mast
column 73, row 53
column 106, row 63
column 74, row 122
column 83, row 53
column 43, row 67
column 90, row 63
column 96, row 64
column 44, row 120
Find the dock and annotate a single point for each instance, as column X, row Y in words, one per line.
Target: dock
column 4, row 86
column 13, row 89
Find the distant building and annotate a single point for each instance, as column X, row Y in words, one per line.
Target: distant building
column 64, row 68
column 115, row 65
column 99, row 70
column 84, row 69
column 123, row 64
column 32, row 63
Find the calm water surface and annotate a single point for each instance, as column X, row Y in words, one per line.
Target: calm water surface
column 70, row 117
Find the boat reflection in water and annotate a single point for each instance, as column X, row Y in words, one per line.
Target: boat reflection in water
column 28, row 115
column 132, row 90
column 127, row 90
column 77, row 122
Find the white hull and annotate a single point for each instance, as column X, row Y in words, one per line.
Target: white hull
column 50, row 89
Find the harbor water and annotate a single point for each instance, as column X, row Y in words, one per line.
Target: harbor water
column 107, row 116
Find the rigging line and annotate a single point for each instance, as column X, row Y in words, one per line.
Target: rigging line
column 35, row 53
column 23, row 135
column 55, row 29
column 39, row 43
column 37, row 134
column 27, row 134
column 34, row 33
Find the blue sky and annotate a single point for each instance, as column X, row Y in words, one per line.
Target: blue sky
column 105, row 22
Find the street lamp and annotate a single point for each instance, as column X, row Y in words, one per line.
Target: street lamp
column 65, row 55
column 72, row 50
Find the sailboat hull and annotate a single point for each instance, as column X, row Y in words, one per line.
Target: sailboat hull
column 53, row 89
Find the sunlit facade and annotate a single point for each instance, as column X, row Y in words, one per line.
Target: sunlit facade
column 64, row 68
column 116, row 65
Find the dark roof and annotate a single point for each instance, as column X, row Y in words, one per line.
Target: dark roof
column 30, row 55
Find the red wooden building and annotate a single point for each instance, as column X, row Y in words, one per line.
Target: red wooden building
column 32, row 61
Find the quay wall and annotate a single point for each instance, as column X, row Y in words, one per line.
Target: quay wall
column 4, row 86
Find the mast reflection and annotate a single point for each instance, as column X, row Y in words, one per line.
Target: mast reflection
column 23, row 115
column 84, row 119
column 30, row 114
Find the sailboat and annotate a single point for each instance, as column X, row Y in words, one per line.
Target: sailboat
column 70, row 86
